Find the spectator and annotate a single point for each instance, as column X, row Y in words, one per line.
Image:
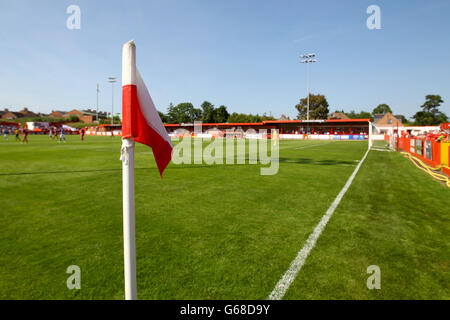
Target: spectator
column 441, row 137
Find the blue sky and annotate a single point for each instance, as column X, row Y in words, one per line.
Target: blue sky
column 240, row 53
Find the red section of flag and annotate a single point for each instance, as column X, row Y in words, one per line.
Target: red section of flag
column 130, row 103
column 134, row 124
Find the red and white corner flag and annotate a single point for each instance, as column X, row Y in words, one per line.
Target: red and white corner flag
column 141, row 123
column 140, row 119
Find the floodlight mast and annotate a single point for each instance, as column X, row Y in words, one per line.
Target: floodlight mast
column 96, row 111
column 307, row 58
column 112, row 80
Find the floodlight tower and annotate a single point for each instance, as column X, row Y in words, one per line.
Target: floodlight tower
column 308, row 58
column 96, row 112
column 112, row 80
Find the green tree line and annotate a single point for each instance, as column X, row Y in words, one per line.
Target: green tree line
column 185, row 112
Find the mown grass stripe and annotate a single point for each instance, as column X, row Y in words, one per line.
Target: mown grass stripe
column 289, row 276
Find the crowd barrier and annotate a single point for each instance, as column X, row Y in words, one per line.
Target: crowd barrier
column 380, row 137
column 323, row 137
column 108, row 133
column 429, row 151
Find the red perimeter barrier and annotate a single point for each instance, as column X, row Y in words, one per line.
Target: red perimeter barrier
column 7, row 123
column 429, row 151
column 446, row 171
column 403, row 144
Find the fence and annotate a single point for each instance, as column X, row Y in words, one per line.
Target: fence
column 431, row 152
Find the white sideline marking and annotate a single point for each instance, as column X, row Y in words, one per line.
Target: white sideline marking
column 289, row 276
column 313, row 145
column 376, row 149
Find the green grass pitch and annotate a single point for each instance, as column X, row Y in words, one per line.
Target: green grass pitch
column 219, row 231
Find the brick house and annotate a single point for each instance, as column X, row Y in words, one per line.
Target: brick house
column 80, row 115
column 86, row 116
column 56, row 114
column 337, row 115
column 385, row 123
column 11, row 115
column 27, row 113
column 387, row 120
column 101, row 114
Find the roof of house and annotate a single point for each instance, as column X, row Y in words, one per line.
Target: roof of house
column 338, row 115
column 284, row 117
column 348, row 120
column 15, row 114
column 378, row 116
column 27, row 113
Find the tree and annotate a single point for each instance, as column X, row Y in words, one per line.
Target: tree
column 195, row 114
column 253, row 118
column 382, row 108
column 351, row 114
column 73, row 118
column 361, row 115
column 430, row 114
column 243, row 118
column 318, row 107
column 404, row 120
column 209, row 113
column 432, row 103
column 365, row 115
column 266, row 117
column 171, row 118
column 183, row 113
column 222, row 114
column 116, row 119
column 164, row 117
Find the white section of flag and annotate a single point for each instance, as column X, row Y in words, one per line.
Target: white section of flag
column 148, row 109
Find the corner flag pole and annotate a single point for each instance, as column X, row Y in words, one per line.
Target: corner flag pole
column 140, row 123
column 129, row 239
column 127, row 157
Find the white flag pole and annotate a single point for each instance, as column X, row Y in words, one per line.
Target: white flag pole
column 127, row 157
column 129, row 239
